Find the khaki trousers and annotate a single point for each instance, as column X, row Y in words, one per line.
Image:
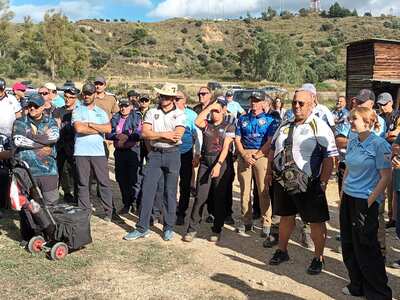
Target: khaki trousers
column 245, row 175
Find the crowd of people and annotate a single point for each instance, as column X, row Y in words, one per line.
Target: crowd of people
column 284, row 158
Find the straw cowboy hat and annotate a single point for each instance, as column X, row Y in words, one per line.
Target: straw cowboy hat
column 168, row 89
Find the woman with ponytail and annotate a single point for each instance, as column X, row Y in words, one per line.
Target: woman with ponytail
column 368, row 172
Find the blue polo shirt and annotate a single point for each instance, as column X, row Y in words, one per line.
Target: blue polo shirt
column 345, row 129
column 190, row 131
column 364, row 161
column 255, row 130
column 234, row 108
column 92, row 144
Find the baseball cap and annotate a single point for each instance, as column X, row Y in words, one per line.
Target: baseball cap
column 365, row 95
column 2, row 84
column 310, row 87
column 88, row 88
column 123, row 101
column 36, row 99
column 144, row 96
column 229, row 93
column 222, row 101
column 100, row 79
column 50, row 86
column 132, row 93
column 257, row 95
column 384, row 98
column 72, row 91
column 18, row 86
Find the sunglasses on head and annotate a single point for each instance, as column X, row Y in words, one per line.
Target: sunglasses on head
column 300, row 103
column 202, row 94
column 43, row 93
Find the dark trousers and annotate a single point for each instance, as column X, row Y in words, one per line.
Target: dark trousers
column 360, row 248
column 216, row 186
column 185, row 177
column 99, row 166
column 164, row 164
column 4, row 188
column 229, row 187
column 127, row 163
column 62, row 159
column 340, row 173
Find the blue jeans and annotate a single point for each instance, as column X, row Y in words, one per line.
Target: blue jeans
column 164, row 165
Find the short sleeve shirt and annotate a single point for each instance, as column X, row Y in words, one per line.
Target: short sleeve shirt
column 235, row 108
column 9, row 105
column 364, row 161
column 190, row 131
column 108, row 103
column 89, row 145
column 214, row 136
column 255, row 130
column 163, row 122
column 321, row 111
column 312, row 142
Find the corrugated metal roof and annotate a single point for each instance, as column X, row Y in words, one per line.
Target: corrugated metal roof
column 374, row 41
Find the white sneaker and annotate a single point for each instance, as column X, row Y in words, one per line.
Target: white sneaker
column 396, row 264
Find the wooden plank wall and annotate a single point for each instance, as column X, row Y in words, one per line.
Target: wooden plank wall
column 387, row 61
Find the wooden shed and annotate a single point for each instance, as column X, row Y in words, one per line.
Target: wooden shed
column 373, row 64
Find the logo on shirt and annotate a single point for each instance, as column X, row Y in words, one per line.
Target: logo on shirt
column 156, row 116
column 262, row 122
column 286, row 130
column 245, row 123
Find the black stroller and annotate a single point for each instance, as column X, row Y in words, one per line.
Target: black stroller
column 54, row 229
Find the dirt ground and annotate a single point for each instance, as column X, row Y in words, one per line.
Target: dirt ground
column 234, row 268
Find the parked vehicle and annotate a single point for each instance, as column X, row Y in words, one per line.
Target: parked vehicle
column 214, row 85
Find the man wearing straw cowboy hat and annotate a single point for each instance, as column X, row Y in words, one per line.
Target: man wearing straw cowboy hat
column 163, row 126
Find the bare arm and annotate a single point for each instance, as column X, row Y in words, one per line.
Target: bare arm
column 150, row 135
column 327, row 167
column 201, row 120
column 386, row 175
column 100, row 128
column 83, row 128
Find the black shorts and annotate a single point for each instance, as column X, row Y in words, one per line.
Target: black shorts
column 311, row 205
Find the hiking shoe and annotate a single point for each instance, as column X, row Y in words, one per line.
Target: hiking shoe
column 180, row 220
column 265, row 231
column 279, row 257
column 125, row 210
column 316, row 266
column 270, row 241
column 168, row 234
column 210, row 219
column 396, row 264
column 229, row 220
column 390, row 224
column 215, row 237
column 189, row 236
column 134, row 235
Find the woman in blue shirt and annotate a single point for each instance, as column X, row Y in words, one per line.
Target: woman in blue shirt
column 368, row 172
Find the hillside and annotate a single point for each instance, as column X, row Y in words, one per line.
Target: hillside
column 189, row 48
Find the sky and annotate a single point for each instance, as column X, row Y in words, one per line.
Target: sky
column 155, row 10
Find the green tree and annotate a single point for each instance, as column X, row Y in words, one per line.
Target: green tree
column 269, row 14
column 337, row 11
column 5, row 32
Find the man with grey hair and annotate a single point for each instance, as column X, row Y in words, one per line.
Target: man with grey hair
column 299, row 167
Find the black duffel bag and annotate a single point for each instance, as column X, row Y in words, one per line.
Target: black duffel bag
column 73, row 225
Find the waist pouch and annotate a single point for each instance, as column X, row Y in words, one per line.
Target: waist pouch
column 73, row 225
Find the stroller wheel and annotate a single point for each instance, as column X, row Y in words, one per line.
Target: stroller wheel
column 59, row 251
column 35, row 244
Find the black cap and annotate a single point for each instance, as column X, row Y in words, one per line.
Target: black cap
column 144, row 96
column 72, row 91
column 2, row 84
column 257, row 96
column 222, row 101
column 88, row 88
column 229, row 93
column 132, row 93
column 36, row 99
column 123, row 101
column 365, row 95
column 384, row 98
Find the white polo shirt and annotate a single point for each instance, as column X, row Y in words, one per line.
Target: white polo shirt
column 312, row 142
column 9, row 105
column 324, row 114
column 164, row 122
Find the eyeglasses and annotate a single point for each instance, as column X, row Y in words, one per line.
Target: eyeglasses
column 144, row 100
column 43, row 93
column 164, row 97
column 98, row 83
column 70, row 97
column 202, row 94
column 300, row 103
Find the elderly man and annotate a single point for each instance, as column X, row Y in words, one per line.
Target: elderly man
column 253, row 137
column 164, row 127
column 91, row 123
column 301, row 157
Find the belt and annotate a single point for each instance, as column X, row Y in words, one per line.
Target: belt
column 164, row 150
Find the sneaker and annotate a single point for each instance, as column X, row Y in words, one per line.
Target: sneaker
column 215, row 237
column 265, row 231
column 189, row 236
column 239, row 229
column 316, row 266
column 180, row 220
column 396, row 264
column 229, row 220
column 210, row 219
column 390, row 224
column 134, row 235
column 279, row 257
column 270, row 241
column 168, row 234
column 125, row 210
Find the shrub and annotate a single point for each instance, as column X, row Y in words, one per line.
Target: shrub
column 184, row 30
column 326, row 27
column 178, row 51
column 299, row 44
column 198, row 23
column 188, row 51
column 221, row 51
column 151, row 41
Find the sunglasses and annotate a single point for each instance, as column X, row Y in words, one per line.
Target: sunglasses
column 43, row 93
column 300, row 103
column 202, row 94
column 31, row 105
column 144, row 100
column 70, row 97
column 123, row 105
